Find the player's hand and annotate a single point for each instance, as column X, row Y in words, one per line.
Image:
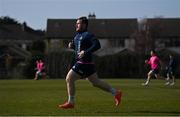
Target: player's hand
column 70, row 45
column 81, row 54
column 146, row 61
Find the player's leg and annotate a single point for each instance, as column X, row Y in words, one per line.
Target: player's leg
column 96, row 82
column 44, row 75
column 43, row 72
column 168, row 79
column 156, row 73
column 70, row 82
column 36, row 75
column 173, row 78
column 149, row 75
column 106, row 87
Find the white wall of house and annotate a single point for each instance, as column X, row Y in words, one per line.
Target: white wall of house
column 104, row 43
column 55, row 44
column 112, row 43
column 175, row 49
column 113, row 46
column 159, row 43
column 24, row 46
column 130, row 44
column 168, row 43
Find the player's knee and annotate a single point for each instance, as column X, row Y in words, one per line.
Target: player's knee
column 69, row 80
column 37, row 74
column 149, row 74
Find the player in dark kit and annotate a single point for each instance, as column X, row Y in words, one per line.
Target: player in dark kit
column 84, row 44
column 171, row 68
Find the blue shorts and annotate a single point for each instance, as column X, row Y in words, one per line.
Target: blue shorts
column 155, row 71
column 171, row 72
column 84, row 70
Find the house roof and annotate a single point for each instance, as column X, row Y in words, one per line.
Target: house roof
column 60, row 28
column 102, row 28
column 164, row 27
column 16, row 32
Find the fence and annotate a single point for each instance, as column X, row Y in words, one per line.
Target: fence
column 124, row 64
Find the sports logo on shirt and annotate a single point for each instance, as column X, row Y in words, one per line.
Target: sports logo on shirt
column 81, row 38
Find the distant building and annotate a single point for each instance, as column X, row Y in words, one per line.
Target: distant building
column 15, row 43
column 114, row 34
column 165, row 32
column 18, row 38
column 118, row 34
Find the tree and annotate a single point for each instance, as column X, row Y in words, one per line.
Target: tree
column 148, row 32
column 8, row 20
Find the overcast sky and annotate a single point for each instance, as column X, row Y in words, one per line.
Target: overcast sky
column 36, row 12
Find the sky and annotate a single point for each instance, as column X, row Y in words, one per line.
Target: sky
column 36, row 12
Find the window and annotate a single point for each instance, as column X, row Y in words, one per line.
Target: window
column 172, row 42
column 117, row 42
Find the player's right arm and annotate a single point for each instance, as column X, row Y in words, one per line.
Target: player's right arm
column 146, row 61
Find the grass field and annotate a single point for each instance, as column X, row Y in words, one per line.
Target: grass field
column 41, row 98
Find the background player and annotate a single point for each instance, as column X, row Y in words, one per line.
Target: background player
column 40, row 67
column 171, row 71
column 154, row 62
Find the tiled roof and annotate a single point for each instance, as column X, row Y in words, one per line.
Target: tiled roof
column 164, row 27
column 102, row 28
column 16, row 32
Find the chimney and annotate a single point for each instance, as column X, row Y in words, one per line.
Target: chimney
column 92, row 16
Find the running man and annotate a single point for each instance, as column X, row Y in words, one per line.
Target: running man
column 171, row 68
column 40, row 69
column 84, row 44
column 154, row 62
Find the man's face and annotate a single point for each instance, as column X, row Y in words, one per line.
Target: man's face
column 152, row 53
column 80, row 26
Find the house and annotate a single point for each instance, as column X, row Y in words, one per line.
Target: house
column 165, row 33
column 18, row 38
column 112, row 33
column 117, row 35
column 15, row 43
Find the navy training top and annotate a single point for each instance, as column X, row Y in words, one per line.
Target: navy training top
column 172, row 64
column 85, row 41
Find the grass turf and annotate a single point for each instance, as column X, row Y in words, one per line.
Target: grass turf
column 41, row 98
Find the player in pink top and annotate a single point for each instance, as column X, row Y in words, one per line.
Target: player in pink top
column 40, row 69
column 154, row 62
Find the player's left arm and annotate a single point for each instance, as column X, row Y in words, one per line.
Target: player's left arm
column 146, row 61
column 95, row 45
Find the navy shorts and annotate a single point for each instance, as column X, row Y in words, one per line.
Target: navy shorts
column 84, row 70
column 171, row 72
column 155, row 71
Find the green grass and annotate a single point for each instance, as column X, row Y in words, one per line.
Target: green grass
column 41, row 98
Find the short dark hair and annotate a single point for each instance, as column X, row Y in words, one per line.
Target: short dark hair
column 153, row 51
column 84, row 20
